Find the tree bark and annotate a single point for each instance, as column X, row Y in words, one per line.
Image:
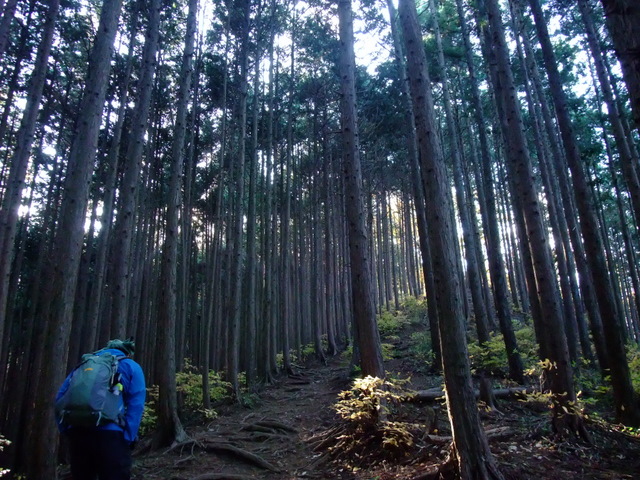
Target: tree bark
column 169, row 429
column 233, row 352
column 471, row 449
column 628, row 160
column 20, row 159
column 363, row 307
column 8, row 13
column 492, row 232
column 627, row 405
column 92, row 324
column 480, row 309
column 62, row 277
column 418, row 193
column 521, row 174
column 251, row 274
column 623, row 22
column 122, row 267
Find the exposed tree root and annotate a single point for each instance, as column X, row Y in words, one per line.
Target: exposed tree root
column 245, row 455
column 444, row 470
column 257, row 428
column 487, row 395
column 260, row 437
column 277, row 425
column 221, row 476
column 217, row 447
column 269, row 426
column 299, row 381
column 180, row 445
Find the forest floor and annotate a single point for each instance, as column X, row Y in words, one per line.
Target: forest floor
column 288, row 434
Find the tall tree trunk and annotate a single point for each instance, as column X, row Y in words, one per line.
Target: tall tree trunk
column 623, row 22
column 20, row 161
column 330, row 252
column 480, row 309
column 363, row 306
column 23, row 51
column 170, row 428
column 627, row 405
column 492, row 232
column 471, row 449
column 90, row 330
column 286, row 299
column 560, row 172
column 129, row 189
column 67, row 249
column 250, row 282
column 629, row 250
column 8, row 13
column 264, row 365
column 233, row 352
column 628, row 160
column 556, row 217
column 521, row 174
column 418, row 192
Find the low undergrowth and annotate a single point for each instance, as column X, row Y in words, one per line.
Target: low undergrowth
column 370, row 429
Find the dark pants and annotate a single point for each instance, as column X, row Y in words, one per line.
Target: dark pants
column 99, row 454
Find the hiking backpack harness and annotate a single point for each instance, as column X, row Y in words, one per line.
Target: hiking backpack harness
column 94, row 394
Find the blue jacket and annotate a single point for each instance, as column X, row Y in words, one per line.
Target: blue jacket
column 133, row 395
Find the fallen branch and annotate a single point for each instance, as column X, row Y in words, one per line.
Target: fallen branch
column 318, row 460
column 492, row 434
column 437, row 393
column 319, row 442
column 499, row 433
column 239, row 452
column 221, row 476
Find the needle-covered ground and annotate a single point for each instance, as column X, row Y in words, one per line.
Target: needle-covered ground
column 293, row 431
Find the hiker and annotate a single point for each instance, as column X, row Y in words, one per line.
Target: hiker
column 100, row 413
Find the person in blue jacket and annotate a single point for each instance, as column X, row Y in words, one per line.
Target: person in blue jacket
column 104, row 452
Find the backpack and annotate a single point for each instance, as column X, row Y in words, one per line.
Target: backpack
column 93, row 397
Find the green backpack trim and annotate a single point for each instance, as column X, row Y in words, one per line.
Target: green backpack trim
column 94, row 396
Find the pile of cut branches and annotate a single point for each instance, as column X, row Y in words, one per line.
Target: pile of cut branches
column 365, row 434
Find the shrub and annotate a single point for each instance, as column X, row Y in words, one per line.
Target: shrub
column 364, row 409
column 390, row 323
column 633, row 356
column 527, row 345
column 293, row 358
column 189, row 384
column 347, row 352
column 150, row 415
column 308, row 351
column 593, row 390
column 415, row 309
column 3, row 442
column 421, row 347
column 492, row 356
column 387, row 351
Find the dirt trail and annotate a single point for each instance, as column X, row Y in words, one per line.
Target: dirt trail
column 266, row 442
column 271, row 440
